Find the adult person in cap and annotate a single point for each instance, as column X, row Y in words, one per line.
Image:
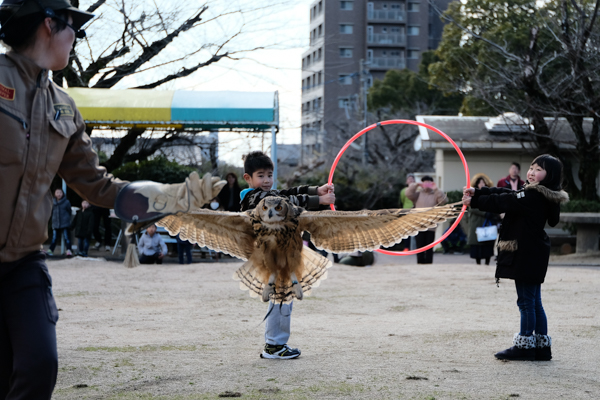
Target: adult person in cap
column 43, row 134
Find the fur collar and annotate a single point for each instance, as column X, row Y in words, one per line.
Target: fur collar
column 552, row 195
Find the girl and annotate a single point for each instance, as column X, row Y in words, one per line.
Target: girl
column 524, row 248
column 480, row 250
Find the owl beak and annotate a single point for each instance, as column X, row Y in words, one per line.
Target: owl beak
column 270, row 213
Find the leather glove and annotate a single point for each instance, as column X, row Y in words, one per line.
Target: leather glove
column 146, row 201
column 181, row 197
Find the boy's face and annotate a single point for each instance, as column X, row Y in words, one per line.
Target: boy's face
column 85, row 205
column 261, row 178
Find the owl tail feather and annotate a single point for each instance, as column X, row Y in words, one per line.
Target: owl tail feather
column 314, row 271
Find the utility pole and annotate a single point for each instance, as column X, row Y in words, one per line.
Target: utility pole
column 364, row 76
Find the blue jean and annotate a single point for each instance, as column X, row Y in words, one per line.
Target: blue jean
column 533, row 316
column 67, row 235
column 84, row 245
column 184, row 248
column 277, row 325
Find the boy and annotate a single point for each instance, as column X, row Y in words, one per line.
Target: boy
column 258, row 173
column 83, row 224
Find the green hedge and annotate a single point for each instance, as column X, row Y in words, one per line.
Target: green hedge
column 581, row 206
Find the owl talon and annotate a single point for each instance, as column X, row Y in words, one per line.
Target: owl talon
column 268, row 291
column 298, row 290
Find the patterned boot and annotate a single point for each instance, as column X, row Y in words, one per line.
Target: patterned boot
column 543, row 351
column 523, row 349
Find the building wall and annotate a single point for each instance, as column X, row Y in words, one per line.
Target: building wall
column 386, row 34
column 450, row 172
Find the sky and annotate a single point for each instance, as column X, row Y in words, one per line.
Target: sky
column 280, row 26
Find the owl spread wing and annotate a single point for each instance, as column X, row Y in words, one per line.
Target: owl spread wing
column 227, row 232
column 350, row 231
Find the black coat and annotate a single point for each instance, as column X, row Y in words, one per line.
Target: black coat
column 523, row 245
column 226, row 194
column 84, row 223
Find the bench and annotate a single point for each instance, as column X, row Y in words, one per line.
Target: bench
column 588, row 229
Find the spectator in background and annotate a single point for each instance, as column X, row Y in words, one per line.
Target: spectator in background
column 229, row 197
column 425, row 194
column 476, row 219
column 61, row 221
column 83, row 227
column 151, row 246
column 405, row 202
column 183, row 246
column 512, row 181
column 101, row 213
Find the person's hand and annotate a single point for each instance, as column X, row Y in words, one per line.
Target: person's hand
column 466, row 200
column 327, row 199
column 161, row 256
column 323, row 190
column 468, row 191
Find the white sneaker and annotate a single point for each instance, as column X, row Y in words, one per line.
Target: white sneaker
column 97, row 246
column 107, row 248
column 69, row 253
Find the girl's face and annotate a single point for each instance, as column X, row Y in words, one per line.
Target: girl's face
column 58, row 194
column 481, row 184
column 535, row 173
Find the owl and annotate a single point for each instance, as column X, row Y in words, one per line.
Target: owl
column 278, row 267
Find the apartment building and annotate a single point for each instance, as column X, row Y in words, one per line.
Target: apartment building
column 353, row 42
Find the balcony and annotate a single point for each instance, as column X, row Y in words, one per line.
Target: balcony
column 387, row 63
column 394, row 39
column 386, row 15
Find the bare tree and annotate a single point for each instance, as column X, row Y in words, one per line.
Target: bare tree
column 537, row 59
column 145, row 44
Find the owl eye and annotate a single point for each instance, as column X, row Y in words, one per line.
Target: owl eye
column 278, row 208
column 265, row 208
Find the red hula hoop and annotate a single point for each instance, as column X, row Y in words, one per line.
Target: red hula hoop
column 408, row 122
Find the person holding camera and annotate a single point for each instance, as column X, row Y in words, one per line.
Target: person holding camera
column 425, row 194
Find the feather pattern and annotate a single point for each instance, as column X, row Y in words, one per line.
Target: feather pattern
column 269, row 239
column 350, row 231
column 227, row 232
column 315, row 271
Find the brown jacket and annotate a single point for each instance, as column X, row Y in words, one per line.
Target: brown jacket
column 41, row 134
column 424, row 198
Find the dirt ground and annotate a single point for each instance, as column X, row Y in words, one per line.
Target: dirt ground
column 396, row 330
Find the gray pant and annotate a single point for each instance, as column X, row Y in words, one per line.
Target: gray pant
column 277, row 325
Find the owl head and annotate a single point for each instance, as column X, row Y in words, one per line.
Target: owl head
column 275, row 209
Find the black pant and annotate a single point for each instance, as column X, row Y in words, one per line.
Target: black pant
column 28, row 315
column 423, row 239
column 102, row 213
column 153, row 259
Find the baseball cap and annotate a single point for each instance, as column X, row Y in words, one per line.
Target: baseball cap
column 21, row 8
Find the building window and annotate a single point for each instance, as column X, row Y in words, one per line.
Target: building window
column 320, row 30
column 320, row 76
column 413, row 7
column 345, row 79
column 396, row 6
column 395, row 30
column 320, row 53
column 345, row 52
column 413, row 31
column 346, row 28
column 344, row 102
column 395, row 53
column 320, row 6
column 346, row 5
column 308, row 60
column 412, row 54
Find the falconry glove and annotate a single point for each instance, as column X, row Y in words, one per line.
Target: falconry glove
column 147, row 201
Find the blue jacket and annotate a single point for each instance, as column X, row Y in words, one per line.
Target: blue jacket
column 61, row 214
